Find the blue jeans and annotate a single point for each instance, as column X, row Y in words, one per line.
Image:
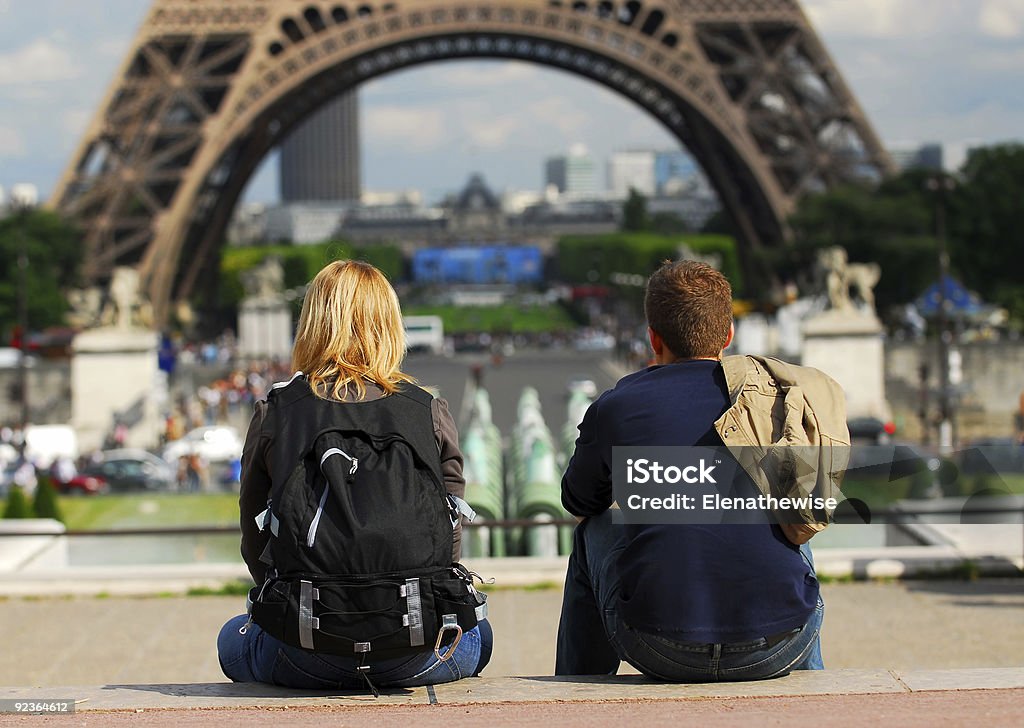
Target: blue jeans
column 593, row 639
column 258, row 657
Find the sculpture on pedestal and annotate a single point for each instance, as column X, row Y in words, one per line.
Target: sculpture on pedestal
column 846, row 340
column 116, row 385
column 842, row 277
column 264, row 318
column 123, row 307
column 265, row 282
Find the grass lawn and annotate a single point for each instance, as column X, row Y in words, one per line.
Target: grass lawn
column 505, row 318
column 142, row 510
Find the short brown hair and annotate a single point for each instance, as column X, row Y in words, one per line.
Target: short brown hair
column 689, row 305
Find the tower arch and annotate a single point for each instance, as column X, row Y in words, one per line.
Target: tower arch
column 210, row 87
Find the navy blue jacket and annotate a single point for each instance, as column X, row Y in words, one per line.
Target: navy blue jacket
column 718, row 583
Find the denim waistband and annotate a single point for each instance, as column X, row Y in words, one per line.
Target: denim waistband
column 769, row 641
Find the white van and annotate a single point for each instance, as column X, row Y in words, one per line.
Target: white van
column 424, row 333
column 46, row 443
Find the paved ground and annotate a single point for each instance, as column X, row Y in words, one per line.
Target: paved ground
column 901, row 626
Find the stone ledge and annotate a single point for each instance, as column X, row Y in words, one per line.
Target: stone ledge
column 585, row 689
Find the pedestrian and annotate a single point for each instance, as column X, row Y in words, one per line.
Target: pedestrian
column 686, row 601
column 25, row 476
column 377, row 460
column 1019, row 420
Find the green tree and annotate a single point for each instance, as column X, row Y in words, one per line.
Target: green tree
column 891, row 225
column 300, row 263
column 720, row 223
column 986, row 235
column 385, row 256
column 45, row 502
column 668, row 223
column 17, row 504
column 583, row 259
column 53, row 251
column 634, row 212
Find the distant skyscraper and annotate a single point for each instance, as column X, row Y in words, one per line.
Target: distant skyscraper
column 572, row 175
column 631, row 170
column 930, row 157
column 927, row 156
column 673, row 171
column 554, row 173
column 320, row 158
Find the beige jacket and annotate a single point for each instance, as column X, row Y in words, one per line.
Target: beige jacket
column 787, row 428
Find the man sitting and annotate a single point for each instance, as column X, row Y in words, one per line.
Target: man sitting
column 682, row 602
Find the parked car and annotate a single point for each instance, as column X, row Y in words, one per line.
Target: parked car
column 216, row 444
column 870, row 430
column 126, row 469
column 594, row 341
column 891, row 460
column 83, row 484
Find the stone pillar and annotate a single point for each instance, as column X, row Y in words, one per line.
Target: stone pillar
column 265, row 329
column 115, row 379
column 848, row 346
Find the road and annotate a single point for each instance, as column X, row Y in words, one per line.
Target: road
column 548, row 372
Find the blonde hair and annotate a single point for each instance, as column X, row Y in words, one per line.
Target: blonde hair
column 350, row 331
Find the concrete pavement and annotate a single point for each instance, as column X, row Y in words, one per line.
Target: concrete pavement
column 151, row 661
column 900, row 626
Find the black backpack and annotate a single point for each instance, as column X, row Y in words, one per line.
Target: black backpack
column 360, row 547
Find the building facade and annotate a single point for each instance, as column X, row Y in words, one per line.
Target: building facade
column 573, row 174
column 927, row 156
column 320, row 159
column 631, row 171
column 673, row 171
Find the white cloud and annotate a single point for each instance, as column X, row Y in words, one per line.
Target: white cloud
column 11, row 143
column 997, row 60
column 413, row 128
column 887, row 18
column 114, row 47
column 40, row 61
column 985, row 123
column 492, row 133
column 75, row 121
column 1002, row 18
column 486, row 75
column 569, row 118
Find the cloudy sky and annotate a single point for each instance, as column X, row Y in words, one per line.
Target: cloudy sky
column 924, row 70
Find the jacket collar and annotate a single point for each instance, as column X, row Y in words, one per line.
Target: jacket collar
column 737, row 368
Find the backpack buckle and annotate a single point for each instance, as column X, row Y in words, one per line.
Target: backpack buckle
column 449, row 623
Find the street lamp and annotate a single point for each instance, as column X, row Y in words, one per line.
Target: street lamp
column 24, row 198
column 941, row 185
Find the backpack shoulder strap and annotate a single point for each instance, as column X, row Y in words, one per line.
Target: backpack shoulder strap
column 416, row 394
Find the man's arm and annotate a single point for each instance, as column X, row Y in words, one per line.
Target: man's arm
column 587, row 483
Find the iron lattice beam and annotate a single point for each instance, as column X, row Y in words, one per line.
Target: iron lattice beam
column 211, row 86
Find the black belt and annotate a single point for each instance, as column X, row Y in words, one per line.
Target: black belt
column 781, row 636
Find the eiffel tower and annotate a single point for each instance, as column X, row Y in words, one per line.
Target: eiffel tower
column 209, row 87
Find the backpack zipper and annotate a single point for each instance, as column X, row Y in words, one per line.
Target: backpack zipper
column 311, row 536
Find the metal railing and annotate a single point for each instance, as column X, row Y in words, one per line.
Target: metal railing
column 882, row 516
